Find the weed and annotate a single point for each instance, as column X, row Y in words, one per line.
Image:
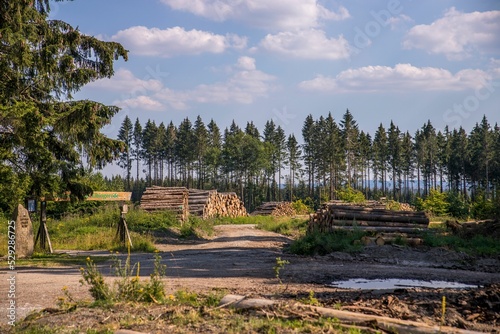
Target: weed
column 310, row 300
column 280, row 264
column 284, row 225
column 129, row 287
column 99, row 289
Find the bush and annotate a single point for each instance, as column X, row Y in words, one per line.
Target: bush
column 435, row 204
column 351, row 195
column 483, row 208
column 301, row 208
column 458, row 206
column 129, row 287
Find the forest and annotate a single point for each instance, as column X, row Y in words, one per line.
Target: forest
column 269, row 165
column 52, row 144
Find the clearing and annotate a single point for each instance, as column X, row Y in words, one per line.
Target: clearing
column 239, row 259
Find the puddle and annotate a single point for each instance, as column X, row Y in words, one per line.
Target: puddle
column 395, row 283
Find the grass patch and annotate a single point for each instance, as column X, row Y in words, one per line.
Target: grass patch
column 294, row 227
column 243, row 220
column 193, row 314
column 326, row 243
column 51, row 260
column 98, row 230
column 478, row 245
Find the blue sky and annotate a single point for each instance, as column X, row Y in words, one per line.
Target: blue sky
column 253, row 60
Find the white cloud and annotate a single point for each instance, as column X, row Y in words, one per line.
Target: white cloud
column 308, row 44
column 140, row 102
column 124, row 81
column 276, row 14
column 175, row 41
column 398, row 21
column 245, row 84
column 402, row 77
column 457, row 35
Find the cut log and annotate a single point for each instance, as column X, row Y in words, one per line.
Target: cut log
column 390, row 325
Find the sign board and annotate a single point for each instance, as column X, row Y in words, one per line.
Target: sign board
column 109, row 196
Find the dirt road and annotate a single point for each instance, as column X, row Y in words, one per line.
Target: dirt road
column 240, row 259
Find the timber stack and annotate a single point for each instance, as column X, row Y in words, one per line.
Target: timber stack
column 199, row 200
column 276, row 209
column 174, row 199
column 385, row 225
column 226, row 205
column 210, row 204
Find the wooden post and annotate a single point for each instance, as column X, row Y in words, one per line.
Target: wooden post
column 122, row 230
column 43, row 232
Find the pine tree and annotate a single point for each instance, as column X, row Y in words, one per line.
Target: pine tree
column 350, row 133
column 270, row 141
column 407, row 162
column 201, row 146
column 366, row 157
column 185, row 150
column 149, row 147
column 394, row 155
column 281, row 154
column 213, row 154
column 169, row 147
column 44, row 133
column 294, row 154
column 309, row 152
column 126, row 134
column 137, row 141
column 481, row 143
column 380, row 156
column 161, row 152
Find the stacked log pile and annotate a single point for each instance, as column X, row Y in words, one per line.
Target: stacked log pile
column 174, row 199
column 202, row 203
column 276, row 209
column 226, row 205
column 385, row 225
column 199, row 200
column 210, row 204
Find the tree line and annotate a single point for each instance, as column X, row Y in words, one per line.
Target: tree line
column 270, row 165
column 51, row 144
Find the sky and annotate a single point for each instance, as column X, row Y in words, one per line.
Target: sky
column 256, row 60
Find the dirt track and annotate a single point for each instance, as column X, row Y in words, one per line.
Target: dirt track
column 240, row 259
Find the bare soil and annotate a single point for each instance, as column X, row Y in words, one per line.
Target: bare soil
column 240, row 258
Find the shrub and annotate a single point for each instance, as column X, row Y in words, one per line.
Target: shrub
column 129, row 287
column 351, row 195
column 458, row 206
column 301, row 208
column 435, row 203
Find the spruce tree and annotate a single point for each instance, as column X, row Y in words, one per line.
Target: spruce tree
column 137, row 142
column 126, row 134
column 49, row 140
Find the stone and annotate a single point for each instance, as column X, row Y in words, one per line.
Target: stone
column 24, row 232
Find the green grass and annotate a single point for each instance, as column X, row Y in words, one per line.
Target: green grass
column 294, row 227
column 326, row 243
column 188, row 312
column 477, row 245
column 243, row 220
column 50, row 260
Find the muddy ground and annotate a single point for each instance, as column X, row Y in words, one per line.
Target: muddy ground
column 240, row 258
